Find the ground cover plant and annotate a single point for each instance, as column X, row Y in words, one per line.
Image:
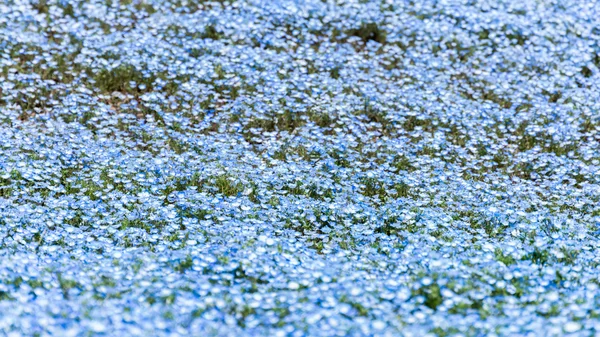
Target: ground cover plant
column 299, row 168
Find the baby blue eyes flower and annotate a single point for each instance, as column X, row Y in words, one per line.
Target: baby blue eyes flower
column 298, row 168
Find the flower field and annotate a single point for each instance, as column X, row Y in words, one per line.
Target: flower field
column 300, row 168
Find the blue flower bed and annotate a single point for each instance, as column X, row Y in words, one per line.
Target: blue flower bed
column 299, row 168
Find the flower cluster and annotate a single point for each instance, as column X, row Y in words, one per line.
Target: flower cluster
column 293, row 168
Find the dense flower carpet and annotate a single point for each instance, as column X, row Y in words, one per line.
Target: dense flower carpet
column 299, row 168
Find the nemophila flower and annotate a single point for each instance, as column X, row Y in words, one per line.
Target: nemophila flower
column 266, row 168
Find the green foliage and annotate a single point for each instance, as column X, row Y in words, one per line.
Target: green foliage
column 335, row 73
column 226, row 185
column 66, row 285
column 402, row 163
column 184, row 265
column 5, row 296
column 287, row 120
column 41, row 6
column 432, row 294
column 538, row 256
column 369, row 32
column 506, row 259
column 117, row 79
column 361, row 310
